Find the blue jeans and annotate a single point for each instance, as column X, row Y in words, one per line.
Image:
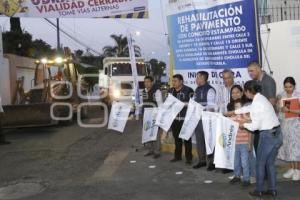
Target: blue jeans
column 252, row 161
column 241, row 161
column 268, row 146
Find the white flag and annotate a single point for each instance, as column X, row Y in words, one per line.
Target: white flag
column 150, row 130
column 118, row 116
column 137, row 100
column 191, row 120
column 168, row 111
column 225, row 143
column 209, row 122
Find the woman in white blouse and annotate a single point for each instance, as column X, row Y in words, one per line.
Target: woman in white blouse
column 265, row 120
column 290, row 123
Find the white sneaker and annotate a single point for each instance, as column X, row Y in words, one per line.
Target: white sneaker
column 252, row 180
column 296, row 175
column 289, row 173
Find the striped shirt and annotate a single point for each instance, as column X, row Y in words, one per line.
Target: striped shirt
column 243, row 135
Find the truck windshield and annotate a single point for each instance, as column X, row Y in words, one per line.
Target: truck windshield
column 124, row 69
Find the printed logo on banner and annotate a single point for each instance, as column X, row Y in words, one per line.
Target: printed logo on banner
column 150, row 130
column 225, row 143
column 225, row 140
column 149, row 125
column 118, row 116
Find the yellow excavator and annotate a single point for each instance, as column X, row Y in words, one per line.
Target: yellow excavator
column 58, row 87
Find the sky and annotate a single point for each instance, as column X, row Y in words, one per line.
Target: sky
column 96, row 32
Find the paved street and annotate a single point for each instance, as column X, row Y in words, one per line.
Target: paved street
column 73, row 163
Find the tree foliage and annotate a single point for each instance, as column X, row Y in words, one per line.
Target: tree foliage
column 157, row 68
column 19, row 42
column 120, row 49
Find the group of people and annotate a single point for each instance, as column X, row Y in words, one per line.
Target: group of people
column 269, row 124
column 264, row 134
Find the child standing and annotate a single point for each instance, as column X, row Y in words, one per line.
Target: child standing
column 243, row 150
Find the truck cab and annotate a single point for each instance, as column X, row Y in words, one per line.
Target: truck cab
column 116, row 81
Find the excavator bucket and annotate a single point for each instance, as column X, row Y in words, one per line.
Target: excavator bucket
column 28, row 115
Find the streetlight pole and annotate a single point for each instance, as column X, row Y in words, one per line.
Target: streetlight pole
column 58, row 34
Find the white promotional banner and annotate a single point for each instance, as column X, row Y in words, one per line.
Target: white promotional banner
column 168, row 112
column 210, row 122
column 191, row 120
column 136, row 88
column 225, row 143
column 150, row 130
column 118, row 116
column 75, row 8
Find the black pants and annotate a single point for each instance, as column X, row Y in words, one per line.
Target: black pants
column 256, row 140
column 176, row 127
column 2, row 137
column 201, row 148
column 200, row 142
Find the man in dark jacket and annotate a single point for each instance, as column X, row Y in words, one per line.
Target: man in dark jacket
column 152, row 97
column 183, row 93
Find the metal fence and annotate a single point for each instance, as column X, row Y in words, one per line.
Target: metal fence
column 276, row 14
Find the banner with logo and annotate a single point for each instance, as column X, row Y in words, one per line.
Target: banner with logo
column 75, row 8
column 193, row 116
column 225, row 143
column 150, row 130
column 213, row 35
column 210, row 122
column 168, row 111
column 118, row 116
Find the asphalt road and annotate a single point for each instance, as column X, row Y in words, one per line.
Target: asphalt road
column 73, row 163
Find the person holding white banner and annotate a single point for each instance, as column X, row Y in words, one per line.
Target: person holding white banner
column 236, row 93
column 183, row 93
column 224, row 90
column 205, row 94
column 243, row 150
column 152, row 97
column 263, row 119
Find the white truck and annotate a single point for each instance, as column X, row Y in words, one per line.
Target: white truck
column 116, row 81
